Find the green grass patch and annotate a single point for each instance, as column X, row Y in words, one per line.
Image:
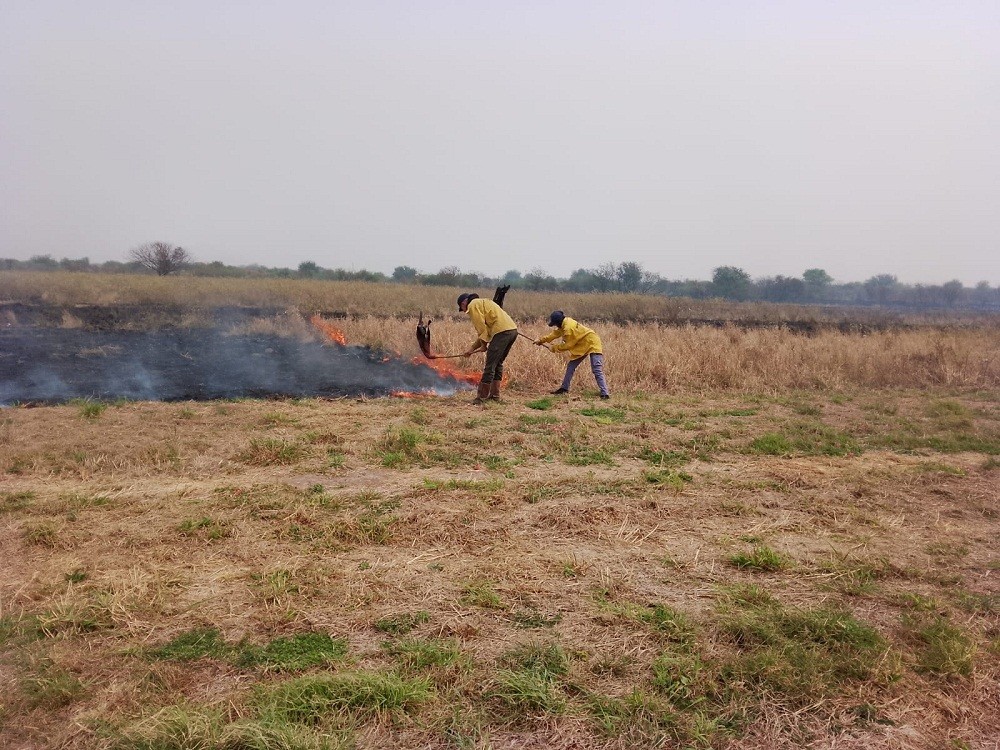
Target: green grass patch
column 704, row 446
column 664, row 459
column 668, row 478
column 772, row 444
column 541, row 404
column 481, row 594
column 668, row 623
column 979, row 604
column 682, row 678
column 315, row 699
column 401, row 446
column 548, row 660
column 947, row 409
column 533, row 619
column 293, row 653
column 365, row 528
column 944, row 434
column 604, row 415
column 524, row 694
column 198, row 643
column 424, row 653
column 403, row 623
column 191, row 728
column 51, row 687
column 526, row 684
column 77, row 575
column 87, row 408
column 274, row 587
column 584, row 455
column 640, row 718
column 855, row 577
column 477, row 486
column 761, row 558
column 805, row 439
column 74, row 617
column 534, row 420
column 203, row 528
column 372, row 525
column 944, row 649
column 801, row 654
column 44, row 534
column 271, row 452
column 276, row 419
column 937, row 467
column 13, row 501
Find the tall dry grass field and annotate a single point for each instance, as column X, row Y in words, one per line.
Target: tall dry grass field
column 362, row 298
column 657, row 358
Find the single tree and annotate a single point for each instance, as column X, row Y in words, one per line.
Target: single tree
column 606, row 276
column 817, row 278
column 952, row 291
column 731, row 282
column 629, row 276
column 308, row 268
column 404, row 273
column 512, row 277
column 44, row 261
column 162, row 258
column 879, row 289
column 537, row 280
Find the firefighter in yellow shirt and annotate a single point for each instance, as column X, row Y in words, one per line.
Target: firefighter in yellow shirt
column 579, row 341
column 497, row 333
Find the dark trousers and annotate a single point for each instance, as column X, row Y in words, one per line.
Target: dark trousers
column 496, row 353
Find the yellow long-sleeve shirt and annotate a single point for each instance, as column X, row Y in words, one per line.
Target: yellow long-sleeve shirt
column 578, row 340
column 489, row 319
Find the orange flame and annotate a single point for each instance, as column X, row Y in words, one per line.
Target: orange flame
column 330, row 331
column 446, row 369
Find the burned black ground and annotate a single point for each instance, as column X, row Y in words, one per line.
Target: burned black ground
column 52, row 365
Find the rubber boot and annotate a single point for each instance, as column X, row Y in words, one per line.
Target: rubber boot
column 495, row 390
column 482, row 393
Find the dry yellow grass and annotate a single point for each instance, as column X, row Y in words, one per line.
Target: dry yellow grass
column 763, row 540
column 508, row 526
column 403, row 300
column 656, row 358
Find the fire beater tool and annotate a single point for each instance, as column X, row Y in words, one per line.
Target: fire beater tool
column 424, row 340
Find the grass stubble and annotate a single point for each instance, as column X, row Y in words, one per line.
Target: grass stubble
column 723, row 566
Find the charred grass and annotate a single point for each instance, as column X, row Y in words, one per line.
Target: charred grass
column 663, row 571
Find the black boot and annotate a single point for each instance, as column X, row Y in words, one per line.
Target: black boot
column 560, row 391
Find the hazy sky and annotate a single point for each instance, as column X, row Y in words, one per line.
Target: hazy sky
column 858, row 137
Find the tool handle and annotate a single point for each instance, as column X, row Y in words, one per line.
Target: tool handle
column 548, row 348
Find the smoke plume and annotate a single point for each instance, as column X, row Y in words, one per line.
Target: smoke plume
column 57, row 364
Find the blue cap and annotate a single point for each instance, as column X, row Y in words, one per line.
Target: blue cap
column 467, row 297
column 556, row 318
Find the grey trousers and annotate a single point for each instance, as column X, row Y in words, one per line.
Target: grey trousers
column 596, row 367
column 496, row 353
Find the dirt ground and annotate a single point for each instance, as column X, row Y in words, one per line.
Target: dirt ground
column 568, row 522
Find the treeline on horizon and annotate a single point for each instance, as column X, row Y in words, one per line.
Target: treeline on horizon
column 814, row 286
